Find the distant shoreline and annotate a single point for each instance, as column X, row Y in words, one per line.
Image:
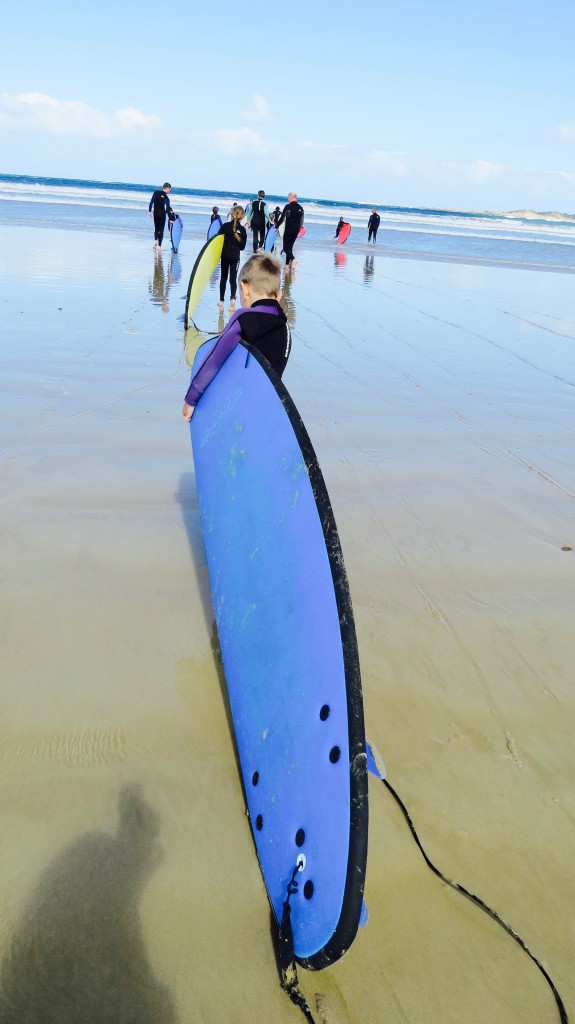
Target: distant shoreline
column 553, row 216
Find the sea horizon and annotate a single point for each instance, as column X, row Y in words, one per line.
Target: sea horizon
column 552, row 216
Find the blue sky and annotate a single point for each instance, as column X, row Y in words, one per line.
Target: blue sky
column 415, row 103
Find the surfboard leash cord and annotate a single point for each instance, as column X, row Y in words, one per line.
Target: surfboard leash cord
column 478, row 903
column 288, row 968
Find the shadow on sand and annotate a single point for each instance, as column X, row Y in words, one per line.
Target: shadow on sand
column 78, row 955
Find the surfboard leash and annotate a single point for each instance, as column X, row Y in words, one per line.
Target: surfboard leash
column 478, row 903
column 287, row 964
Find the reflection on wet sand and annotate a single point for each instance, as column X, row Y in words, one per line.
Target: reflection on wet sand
column 339, row 260
column 193, row 338
column 78, row 955
column 175, row 268
column 159, row 285
column 368, row 269
column 287, row 302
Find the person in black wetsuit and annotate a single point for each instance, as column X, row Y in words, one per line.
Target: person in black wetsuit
column 293, row 215
column 258, row 218
column 260, row 324
column 235, row 238
column 340, row 224
column 160, row 204
column 372, row 225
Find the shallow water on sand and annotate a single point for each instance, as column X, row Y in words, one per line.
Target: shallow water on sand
column 440, row 401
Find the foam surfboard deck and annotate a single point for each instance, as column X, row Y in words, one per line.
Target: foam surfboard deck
column 286, row 631
column 270, row 239
column 207, row 261
column 344, row 234
column 176, row 232
column 301, row 231
column 214, row 227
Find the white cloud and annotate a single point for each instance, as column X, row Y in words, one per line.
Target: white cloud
column 564, row 133
column 37, row 113
column 238, row 141
column 260, row 111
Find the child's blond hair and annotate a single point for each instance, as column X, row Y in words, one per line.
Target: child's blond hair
column 263, row 274
column 238, row 213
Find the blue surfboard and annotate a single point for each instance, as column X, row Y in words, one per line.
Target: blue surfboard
column 285, row 625
column 271, row 235
column 214, row 227
column 176, row 232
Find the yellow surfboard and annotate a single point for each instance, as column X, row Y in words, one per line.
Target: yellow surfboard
column 206, row 263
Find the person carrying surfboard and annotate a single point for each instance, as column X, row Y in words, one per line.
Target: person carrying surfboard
column 160, row 204
column 261, row 323
column 292, row 215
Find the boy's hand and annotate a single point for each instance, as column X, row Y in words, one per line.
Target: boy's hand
column 188, row 411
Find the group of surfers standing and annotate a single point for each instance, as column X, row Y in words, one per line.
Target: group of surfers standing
column 259, row 219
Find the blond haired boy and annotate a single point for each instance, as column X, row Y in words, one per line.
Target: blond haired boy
column 261, row 323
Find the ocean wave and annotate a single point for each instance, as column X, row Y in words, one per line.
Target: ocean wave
column 209, row 197
column 119, row 206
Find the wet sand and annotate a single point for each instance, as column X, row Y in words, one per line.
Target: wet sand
column 440, row 401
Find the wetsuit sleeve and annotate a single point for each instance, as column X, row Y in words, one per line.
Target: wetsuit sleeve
column 243, row 235
column 215, row 359
column 151, row 202
column 282, row 217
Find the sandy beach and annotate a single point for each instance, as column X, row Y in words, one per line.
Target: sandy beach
column 440, row 399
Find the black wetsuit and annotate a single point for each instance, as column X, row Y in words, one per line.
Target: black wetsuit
column 161, row 207
column 340, row 224
column 292, row 214
column 230, row 260
column 258, row 220
column 372, row 226
column 272, row 340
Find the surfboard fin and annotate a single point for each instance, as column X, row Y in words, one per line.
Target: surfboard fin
column 375, row 763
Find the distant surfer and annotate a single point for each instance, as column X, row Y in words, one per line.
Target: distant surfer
column 340, row 224
column 258, row 219
column 160, row 204
column 216, row 215
column 235, row 238
column 292, row 214
column 261, row 323
column 372, row 225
